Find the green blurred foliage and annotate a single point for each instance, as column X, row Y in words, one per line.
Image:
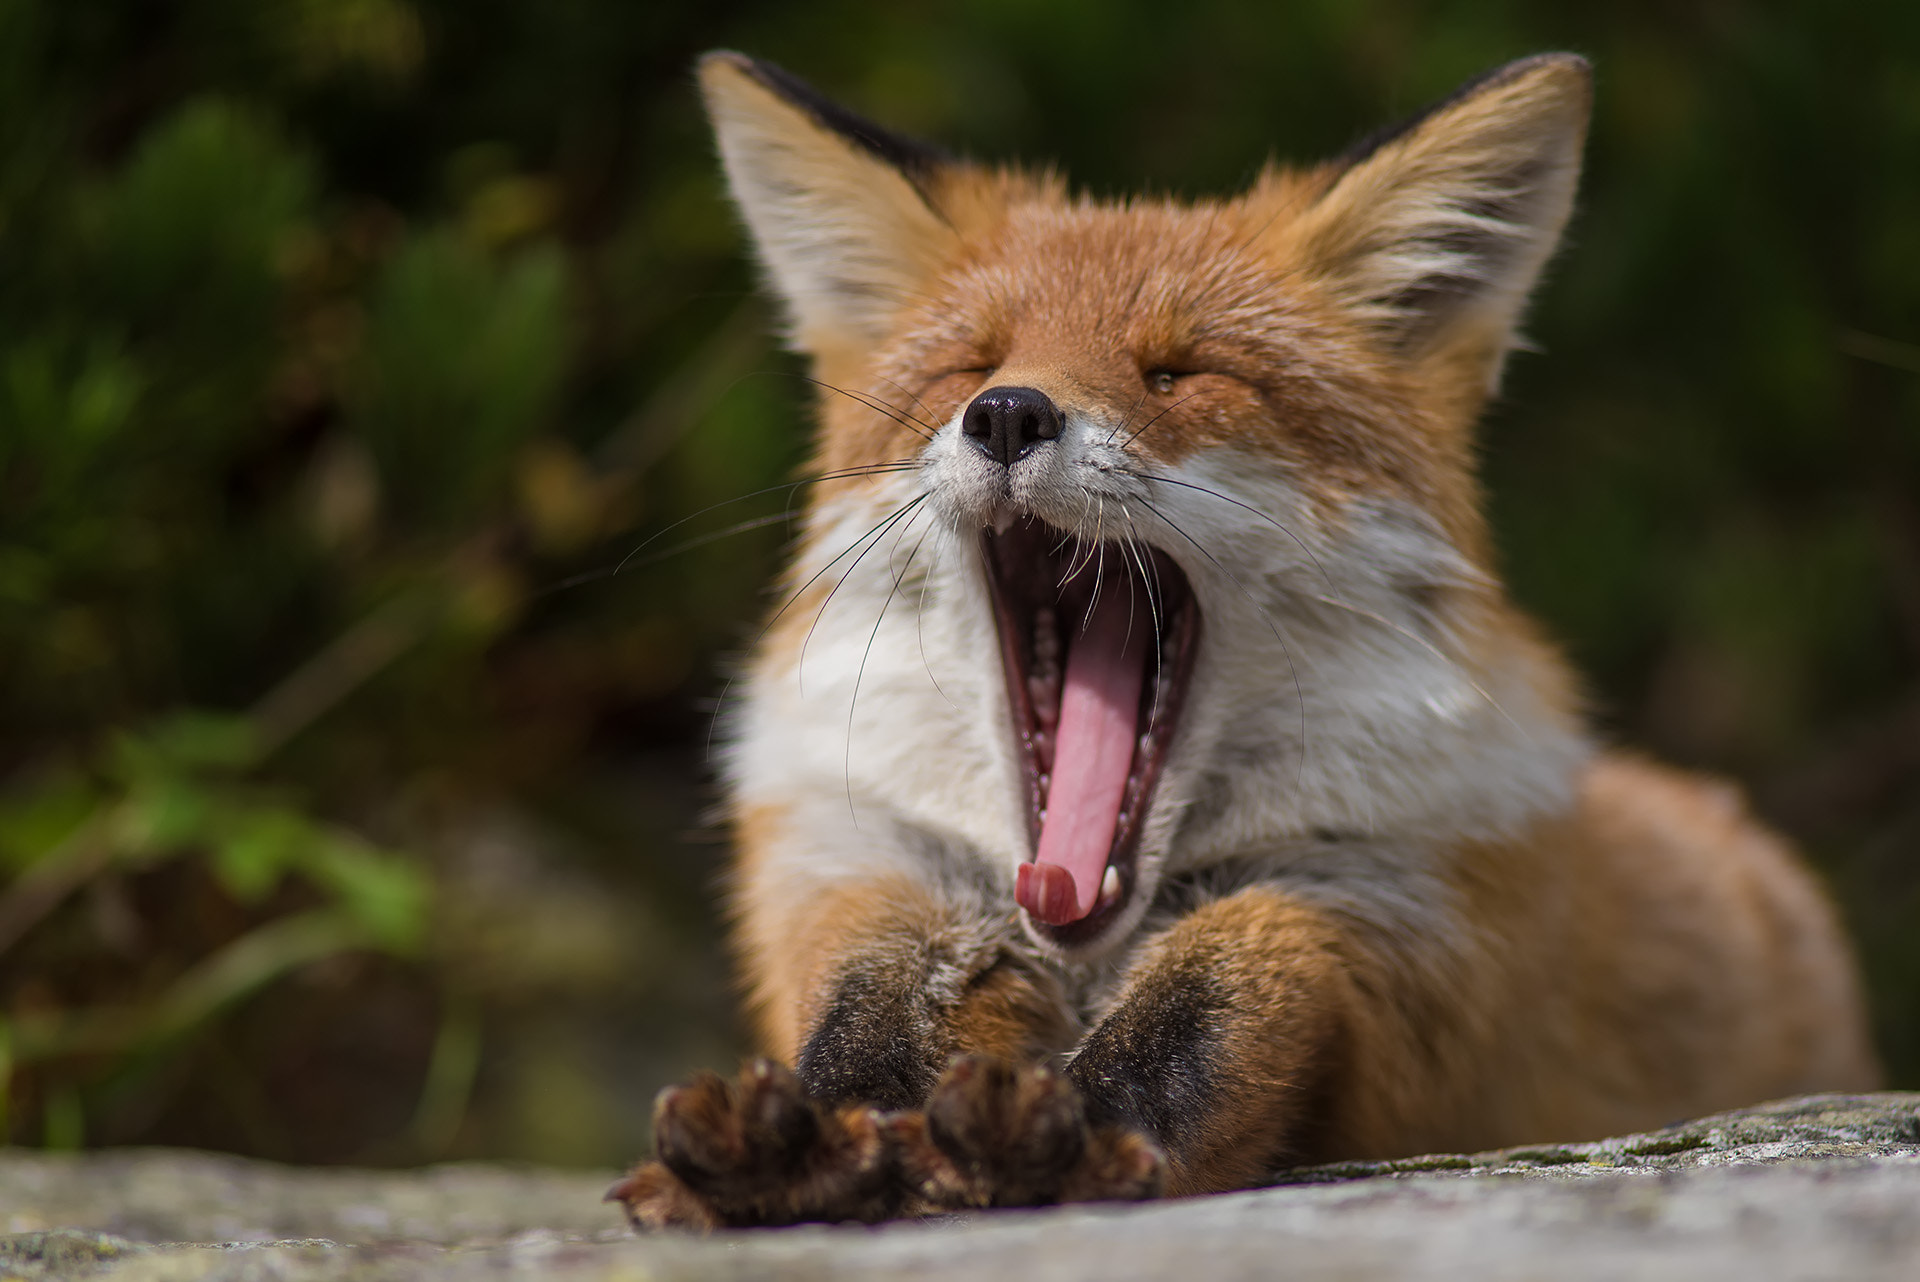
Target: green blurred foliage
column 345, row 344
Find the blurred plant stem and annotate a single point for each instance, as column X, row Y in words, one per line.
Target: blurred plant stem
column 292, row 706
column 731, row 352
column 199, row 994
column 449, row 1083
column 1882, row 351
column 337, row 671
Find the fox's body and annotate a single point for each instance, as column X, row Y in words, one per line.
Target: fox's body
column 1365, row 886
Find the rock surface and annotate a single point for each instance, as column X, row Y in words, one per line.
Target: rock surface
column 1821, row 1187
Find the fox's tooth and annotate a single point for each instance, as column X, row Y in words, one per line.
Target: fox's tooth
column 1044, row 695
column 1110, row 886
column 1046, row 642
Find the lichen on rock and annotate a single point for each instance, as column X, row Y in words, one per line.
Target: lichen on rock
column 1824, row 1186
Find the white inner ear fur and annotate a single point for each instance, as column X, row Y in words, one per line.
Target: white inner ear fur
column 1439, row 235
column 844, row 236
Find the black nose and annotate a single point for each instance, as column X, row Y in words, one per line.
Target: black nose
column 1004, row 422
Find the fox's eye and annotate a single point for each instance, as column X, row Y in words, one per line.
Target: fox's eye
column 1161, row 380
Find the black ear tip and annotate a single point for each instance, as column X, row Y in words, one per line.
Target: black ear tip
column 915, row 159
column 1560, row 66
column 1565, row 65
column 1571, row 72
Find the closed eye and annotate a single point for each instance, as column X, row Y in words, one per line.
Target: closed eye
column 1164, row 380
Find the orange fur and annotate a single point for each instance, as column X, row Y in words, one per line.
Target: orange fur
column 1454, row 925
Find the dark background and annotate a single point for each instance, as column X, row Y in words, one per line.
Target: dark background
column 338, row 822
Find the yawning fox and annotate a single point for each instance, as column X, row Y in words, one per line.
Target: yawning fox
column 1145, row 783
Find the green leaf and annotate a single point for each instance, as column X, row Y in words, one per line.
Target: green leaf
column 65, row 403
column 162, row 818
column 464, row 358
column 35, row 821
column 384, row 893
column 264, row 844
column 194, row 223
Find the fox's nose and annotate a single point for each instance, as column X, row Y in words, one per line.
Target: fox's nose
column 1004, row 422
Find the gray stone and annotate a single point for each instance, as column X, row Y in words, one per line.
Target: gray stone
column 1809, row 1128
column 163, row 1195
column 1822, row 1187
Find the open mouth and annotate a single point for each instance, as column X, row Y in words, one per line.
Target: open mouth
column 1098, row 641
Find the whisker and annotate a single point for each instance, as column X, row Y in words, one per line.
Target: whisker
column 1362, row 611
column 627, row 561
column 1082, row 555
column 1099, row 558
column 920, row 616
column 875, row 403
column 1245, row 507
column 1261, row 230
column 860, row 675
column 872, row 539
column 726, row 688
column 719, row 708
column 847, row 473
column 701, row 540
column 1130, row 413
column 1286, row 650
column 1156, row 418
column 802, row 589
column 926, row 422
column 885, row 409
column 1149, row 576
column 1459, row 669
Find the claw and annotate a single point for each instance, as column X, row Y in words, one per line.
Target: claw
column 755, row 1149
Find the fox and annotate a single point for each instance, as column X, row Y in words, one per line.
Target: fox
column 1145, row 784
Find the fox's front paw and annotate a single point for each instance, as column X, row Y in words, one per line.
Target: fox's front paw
column 757, row 1150
column 999, row 1134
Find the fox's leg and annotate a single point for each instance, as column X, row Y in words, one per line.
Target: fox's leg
column 758, row 1150
column 880, row 983
column 869, row 986
column 998, row 1133
column 1205, row 1074
column 1209, row 1071
column 1226, row 1037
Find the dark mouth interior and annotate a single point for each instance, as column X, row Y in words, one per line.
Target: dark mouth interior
column 1043, row 585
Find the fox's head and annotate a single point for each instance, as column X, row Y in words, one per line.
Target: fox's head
column 1149, row 536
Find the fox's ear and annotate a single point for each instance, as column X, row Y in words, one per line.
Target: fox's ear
column 1435, row 231
column 839, row 207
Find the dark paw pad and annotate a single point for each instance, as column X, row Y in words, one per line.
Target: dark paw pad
column 718, row 1135
column 1000, row 1134
column 757, row 1150
column 1007, row 1123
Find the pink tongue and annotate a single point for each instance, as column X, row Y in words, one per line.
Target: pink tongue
column 1093, row 752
